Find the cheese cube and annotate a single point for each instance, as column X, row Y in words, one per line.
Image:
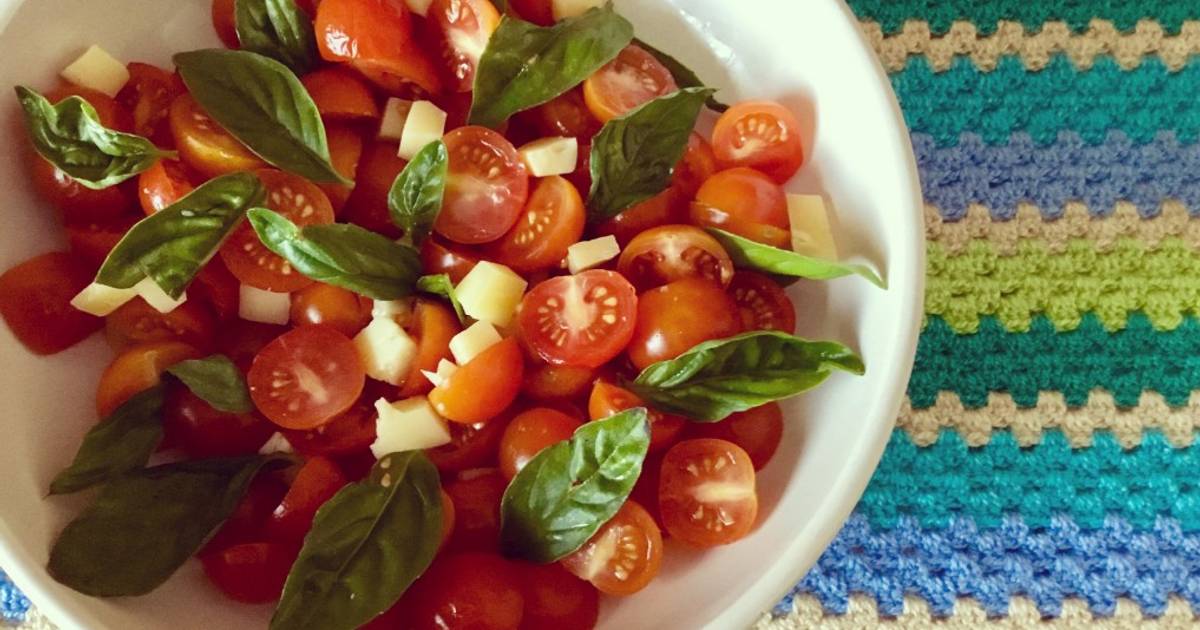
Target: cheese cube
column 156, row 297
column 101, row 300
column 277, row 443
column 267, row 307
column 445, row 370
column 395, row 113
column 407, row 425
column 811, row 234
column 424, row 124
column 394, row 309
column 387, row 352
column 97, row 70
column 491, row 293
column 550, row 156
column 563, row 9
column 469, row 343
column 588, row 254
column 420, row 7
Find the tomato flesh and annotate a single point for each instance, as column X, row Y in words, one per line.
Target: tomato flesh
column 340, row 95
column 633, row 78
column 163, row 184
column 137, row 322
column 306, row 377
column 669, row 324
column 757, row 431
column 761, row 135
column 345, row 152
column 316, row 482
column 695, row 167
column 608, row 400
column 476, row 495
column 204, row 145
column 367, row 205
column 529, row 433
column 92, row 242
column 376, row 37
column 673, row 252
column 321, row 303
column 349, row 432
column 555, row 599
column 224, row 22
column 136, row 370
column 147, row 96
column 464, row 26
column 552, row 221
column 194, row 426
column 433, row 325
column 487, row 185
column 484, row 387
column 762, row 303
column 218, row 288
column 623, row 556
column 583, row 320
column 707, row 492
column 252, row 573
column 471, row 591
column 565, row 115
column 35, row 302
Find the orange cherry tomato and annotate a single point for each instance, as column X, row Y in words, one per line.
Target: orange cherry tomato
column 529, row 433
column 564, row 115
column 665, row 208
column 583, row 320
column 217, row 287
column 316, row 482
column 544, row 381
column 347, row 433
column 163, row 184
column 224, row 22
column 634, row 78
column 376, row 37
column 455, row 260
column 92, row 242
column 476, row 495
column 200, row 430
column 252, row 573
column 746, row 195
column 468, row 591
column 367, row 205
column 672, row 252
column 762, row 303
column 341, row 95
column 669, row 323
column 321, row 303
column 204, row 145
column 695, row 167
column 433, row 325
column 552, row 221
column 484, row 387
column 345, row 152
column 486, row 186
column 608, row 400
column 757, row 431
column 762, row 135
column 471, row 446
column 147, row 96
column 706, row 216
column 555, row 599
column 136, row 323
column 464, row 27
column 623, row 556
column 35, row 302
column 539, row 12
column 306, row 377
column 137, row 369
column 707, row 492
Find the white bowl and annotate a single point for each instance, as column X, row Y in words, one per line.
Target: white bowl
column 808, row 54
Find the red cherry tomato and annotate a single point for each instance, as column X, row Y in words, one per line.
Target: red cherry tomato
column 316, row 482
column 583, row 320
column 345, row 151
column 147, row 96
column 747, row 196
column 695, row 167
column 91, row 243
column 555, row 599
column 200, row 430
column 349, row 432
column 433, row 325
column 762, row 303
column 486, row 186
column 163, row 184
column 669, row 324
column 564, row 115
column 634, row 78
column 215, row 286
column 757, row 431
column 464, row 27
column 224, row 22
column 539, row 12
column 376, row 37
column 367, row 205
column 645, row 491
column 471, row 446
column 665, row 254
column 241, row 340
column 484, row 387
column 529, row 433
column 440, row 257
column 137, row 322
column 476, row 495
column 204, row 145
column 472, row 591
column 707, row 492
column 552, row 221
column 340, row 95
column 544, row 381
column 665, row 208
column 623, row 556
column 761, row 135
column 35, row 302
column 321, row 303
column 136, row 370
column 111, row 113
column 248, row 519
column 306, row 377
column 252, row 573
column 608, row 400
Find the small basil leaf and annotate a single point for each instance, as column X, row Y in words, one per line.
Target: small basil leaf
column 416, row 196
column 440, row 285
column 262, row 104
column 341, row 254
column 217, row 381
column 69, row 136
column 147, row 523
column 366, row 546
column 277, row 29
column 526, row 65
column 569, row 490
column 121, row 442
column 749, row 254
column 721, row 377
column 683, row 75
column 171, row 245
column 634, row 155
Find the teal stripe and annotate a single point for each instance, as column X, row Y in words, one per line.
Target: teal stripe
column 940, row 14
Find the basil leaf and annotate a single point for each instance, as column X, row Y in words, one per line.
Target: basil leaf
column 171, row 245
column 367, row 545
column 122, row 442
column 217, row 381
column 750, row 254
column 525, row 65
column 416, row 196
column 569, row 490
column 634, row 155
column 440, row 285
column 69, row 136
column 341, row 254
column 146, row 524
column 277, row 29
column 683, row 75
column 721, row 377
column 262, row 104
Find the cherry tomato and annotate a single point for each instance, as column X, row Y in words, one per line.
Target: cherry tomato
column 669, row 322
column 448, row 517
column 665, row 254
column 322, row 303
column 147, row 96
column 433, row 325
column 252, row 573
column 376, row 37
column 341, row 95
column 163, row 184
column 582, row 320
column 200, row 430
column 635, row 77
column 111, row 113
column 552, row 221
column 529, row 433
column 242, row 340
column 608, row 399
column 762, row 303
column 707, row 216
column 91, row 243
column 35, row 302
column 471, row 446
column 581, row 177
column 204, row 145
column 472, row 591
column 306, row 377
column 367, row 205
column 218, row 288
column 440, row 257
column 250, row 516
column 484, row 387
column 623, row 556
column 224, row 22
column 136, row 370
column 696, row 166
column 486, row 186
column 645, row 491
column 465, row 27
column 662, row 209
column 137, row 322
column 564, row 115
column 555, row 599
column 349, row 432
column 345, row 151
column 757, row 431
column 762, row 135
column 539, row 12
column 706, row 492
column 476, row 495
column 747, row 196
column 316, row 482
column 544, row 381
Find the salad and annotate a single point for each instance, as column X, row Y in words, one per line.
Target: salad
column 425, row 313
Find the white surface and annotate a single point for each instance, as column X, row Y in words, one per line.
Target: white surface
column 806, row 53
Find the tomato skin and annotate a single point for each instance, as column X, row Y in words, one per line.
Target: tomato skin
column 440, row 257
column 321, row 303
column 564, row 115
column 91, row 243
column 306, row 377
column 476, row 495
column 552, row 221
column 555, row 599
column 633, row 533
column 696, row 166
column 583, row 320
column 665, row 208
column 111, row 113
column 136, row 322
column 341, row 95
column 757, row 431
column 367, row 204
column 709, row 217
column 632, row 79
column 147, row 97
column 137, row 369
column 539, row 12
column 665, row 254
column 472, row 446
column 487, row 185
column 252, row 573
column 35, row 302
column 707, row 492
column 645, row 491
column 608, row 400
column 246, row 523
column 761, row 135
column 762, row 303
column 224, row 22
column 241, row 340
column 201, row 431
column 345, row 152
column 471, row 591
column 668, row 323
column 204, row 145
column 217, row 287
column 433, row 326
column 163, row 184
column 529, row 433
column 746, row 195
column 349, row 432
column 464, row 27
column 544, row 381
column 315, row 483
column 376, row 37
column 484, row 387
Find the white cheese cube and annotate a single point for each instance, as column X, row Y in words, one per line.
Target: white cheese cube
column 387, row 352
column 491, row 293
column 395, row 113
column 811, row 234
column 563, row 9
column 277, row 443
column 101, row 300
column 97, row 70
column 393, row 309
column 420, row 7
column 469, row 343
column 445, row 370
column 588, row 254
column 407, row 425
column 424, row 124
column 267, row 307
column 156, row 297
column 550, row 156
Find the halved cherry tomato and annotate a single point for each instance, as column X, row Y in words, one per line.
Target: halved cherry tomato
column 472, row 591
column 623, row 556
column 762, row 303
column 471, row 446
column 340, row 95
column 539, row 12
column 316, row 482
column 669, row 321
column 761, row 135
column 665, row 208
column 583, row 320
column 564, row 115
column 448, row 517
column 706, row 216
column 92, row 242
column 345, row 152
column 201, row 430
column 297, row 199
column 608, row 399
column 204, row 145
column 632, row 79
column 250, row 516
column 552, row 221
column 306, row 377
column 136, row 370
column 440, row 257
column 757, row 431
column 376, row 37
column 242, row 340
column 147, row 96
column 544, row 381
column 137, row 322
column 367, row 205
column 556, row 600
column 252, row 573
column 35, row 302
column 486, row 186
column 465, row 27
column 476, row 495
column 218, row 288
column 433, row 325
column 695, row 167
column 747, row 196
column 349, row 432
column 163, row 184
column 321, row 303
column 706, row 492
column 484, row 387
column 224, row 22
column 673, row 252
column 529, row 433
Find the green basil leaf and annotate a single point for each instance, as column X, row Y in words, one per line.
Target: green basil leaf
column 416, row 196
column 634, row 155
column 341, row 254
column 147, row 523
column 217, row 381
column 721, row 377
column 69, row 136
column 569, row 490
column 171, row 245
column 262, row 104
column 278, row 29
column 440, row 284
column 749, row 254
column 122, row 442
column 683, row 75
column 367, row 545
column 525, row 65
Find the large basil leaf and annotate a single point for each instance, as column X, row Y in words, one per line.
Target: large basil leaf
column 217, row 381
column 569, row 490
column 750, row 254
column 634, row 155
column 526, row 65
column 121, row 442
column 440, row 284
column 683, row 75
column 69, row 136
column 341, row 254
column 278, row 29
column 366, row 546
column 721, row 377
column 171, row 245
column 260, row 102
column 416, row 196
column 147, row 523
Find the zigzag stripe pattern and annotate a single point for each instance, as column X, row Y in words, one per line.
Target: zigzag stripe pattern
column 1078, row 14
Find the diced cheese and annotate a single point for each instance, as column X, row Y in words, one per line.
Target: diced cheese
column 467, row 344
column 387, row 352
column 267, row 307
column 156, row 297
column 420, row 7
column 101, row 300
column 395, row 113
column 277, row 443
column 491, row 293
column 97, row 70
column 445, row 370
column 588, row 254
column 394, row 309
column 811, row 234
column 563, row 9
column 550, row 156
column 407, row 425
column 424, row 124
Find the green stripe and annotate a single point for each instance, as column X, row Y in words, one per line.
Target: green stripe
column 891, row 14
